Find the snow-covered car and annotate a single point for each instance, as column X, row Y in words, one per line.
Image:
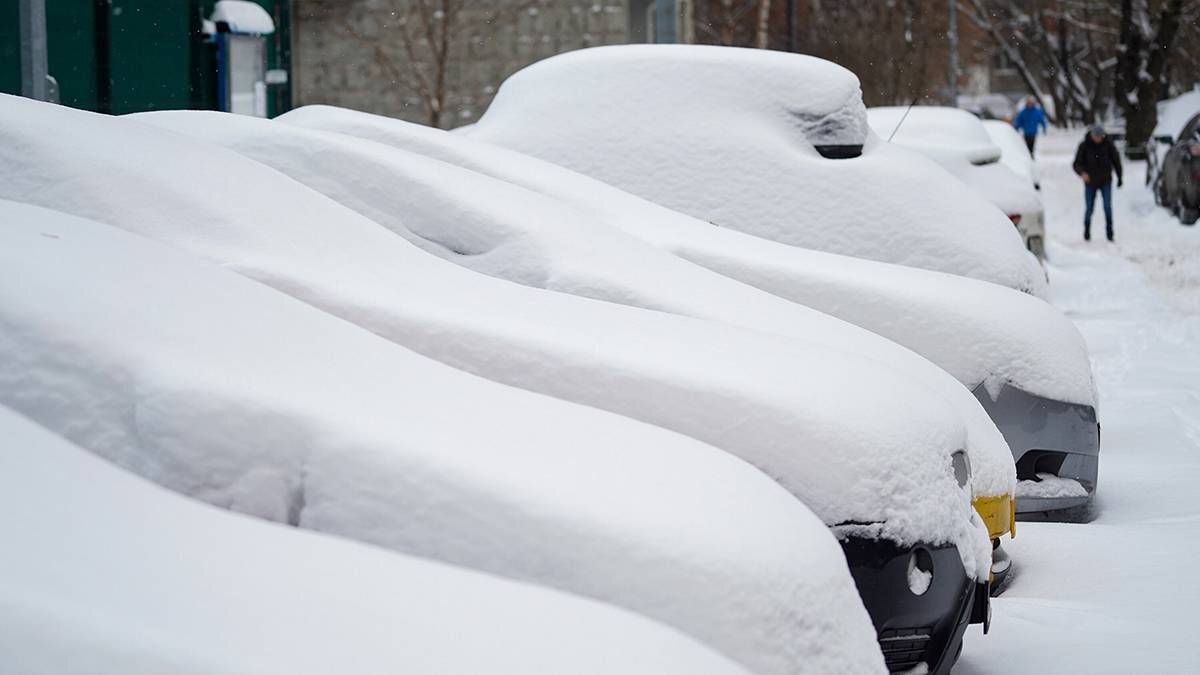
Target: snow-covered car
column 1013, row 152
column 232, row 392
column 106, row 574
column 870, row 452
column 1034, row 378
column 774, row 144
column 548, row 242
column 1176, row 181
column 961, row 143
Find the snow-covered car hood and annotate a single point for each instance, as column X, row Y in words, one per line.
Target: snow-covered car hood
column 982, row 333
column 958, row 141
column 546, row 242
column 727, row 135
column 856, row 441
column 107, row 574
column 234, row 393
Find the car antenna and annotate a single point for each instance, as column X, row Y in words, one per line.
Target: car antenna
column 904, row 117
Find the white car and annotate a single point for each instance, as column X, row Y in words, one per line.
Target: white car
column 234, row 393
column 106, row 574
column 877, row 457
column 777, row 144
column 983, row 159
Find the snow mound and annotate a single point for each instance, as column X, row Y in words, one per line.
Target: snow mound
column 630, row 116
column 549, row 243
column 1175, row 113
column 243, row 16
column 105, row 574
column 958, row 141
column 853, row 440
column 199, row 379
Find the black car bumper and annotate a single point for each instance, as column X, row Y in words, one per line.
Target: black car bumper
column 916, row 628
column 1047, row 437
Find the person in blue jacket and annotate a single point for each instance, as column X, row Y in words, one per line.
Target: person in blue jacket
column 1029, row 120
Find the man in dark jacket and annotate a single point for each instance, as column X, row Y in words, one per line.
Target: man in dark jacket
column 1095, row 161
column 1029, row 121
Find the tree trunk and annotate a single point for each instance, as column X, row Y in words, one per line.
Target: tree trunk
column 762, row 33
column 1141, row 64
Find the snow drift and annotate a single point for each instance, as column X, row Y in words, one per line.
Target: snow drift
column 105, row 574
column 855, row 441
column 728, row 135
column 546, row 242
column 226, row 390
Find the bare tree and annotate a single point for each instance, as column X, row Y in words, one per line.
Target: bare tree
column 1143, row 56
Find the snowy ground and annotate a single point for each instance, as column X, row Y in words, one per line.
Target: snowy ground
column 1116, row 595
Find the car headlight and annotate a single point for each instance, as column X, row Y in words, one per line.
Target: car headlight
column 961, row 464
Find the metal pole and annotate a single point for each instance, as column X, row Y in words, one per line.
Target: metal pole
column 33, row 49
column 791, row 24
column 952, row 43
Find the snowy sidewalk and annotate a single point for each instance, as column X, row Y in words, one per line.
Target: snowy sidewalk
column 1117, row 595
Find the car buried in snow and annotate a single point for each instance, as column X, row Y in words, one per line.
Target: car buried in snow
column 108, row 574
column 965, row 146
column 878, row 458
column 1176, row 179
column 327, row 433
column 757, row 157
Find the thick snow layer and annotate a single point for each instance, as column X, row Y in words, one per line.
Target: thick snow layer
column 1175, row 113
column 546, row 242
column 106, row 574
column 1119, row 594
column 958, row 141
column 1049, row 486
column 855, row 441
column 1013, row 152
column 727, row 135
column 979, row 332
column 243, row 16
column 194, row 377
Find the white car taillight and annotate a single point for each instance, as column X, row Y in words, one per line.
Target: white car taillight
column 1015, row 217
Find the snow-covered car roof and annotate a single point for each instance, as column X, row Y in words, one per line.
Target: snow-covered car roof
column 935, row 130
column 857, row 441
column 958, row 141
column 107, row 574
column 547, row 242
column 1013, row 152
column 229, row 391
column 728, row 135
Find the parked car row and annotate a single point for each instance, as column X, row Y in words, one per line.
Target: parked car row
column 742, row 387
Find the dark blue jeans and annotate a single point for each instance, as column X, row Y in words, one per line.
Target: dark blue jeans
column 1089, row 201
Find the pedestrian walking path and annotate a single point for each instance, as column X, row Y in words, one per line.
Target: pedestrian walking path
column 1117, row 595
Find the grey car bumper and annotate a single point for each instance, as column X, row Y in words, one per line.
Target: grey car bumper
column 1048, row 437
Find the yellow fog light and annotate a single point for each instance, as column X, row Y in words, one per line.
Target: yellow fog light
column 998, row 514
